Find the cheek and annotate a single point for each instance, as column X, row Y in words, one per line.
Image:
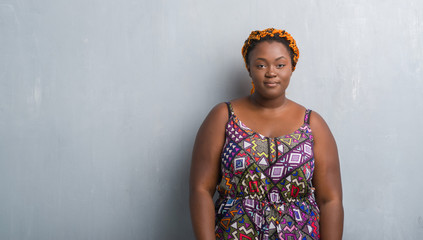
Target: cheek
column 257, row 73
column 285, row 74
column 253, row 75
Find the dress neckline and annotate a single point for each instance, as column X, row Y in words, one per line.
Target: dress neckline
column 296, row 131
column 241, row 123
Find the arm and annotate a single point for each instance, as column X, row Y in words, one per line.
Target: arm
column 327, row 180
column 205, row 171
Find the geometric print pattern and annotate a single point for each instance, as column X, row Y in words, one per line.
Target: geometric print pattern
column 265, row 190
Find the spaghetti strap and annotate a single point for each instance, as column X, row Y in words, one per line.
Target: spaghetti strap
column 230, row 110
column 307, row 116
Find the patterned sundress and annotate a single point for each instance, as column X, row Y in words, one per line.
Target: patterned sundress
column 265, row 191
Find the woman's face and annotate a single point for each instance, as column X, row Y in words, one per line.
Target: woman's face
column 270, row 68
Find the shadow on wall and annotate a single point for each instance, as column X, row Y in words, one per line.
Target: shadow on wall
column 238, row 84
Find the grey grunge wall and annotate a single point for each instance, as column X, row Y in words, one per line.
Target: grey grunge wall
column 100, row 102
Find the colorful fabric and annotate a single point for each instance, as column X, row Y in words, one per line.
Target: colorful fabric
column 265, row 191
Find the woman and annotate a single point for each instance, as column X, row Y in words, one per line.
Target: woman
column 273, row 162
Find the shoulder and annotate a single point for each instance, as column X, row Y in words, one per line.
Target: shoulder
column 220, row 111
column 316, row 120
column 319, row 127
column 210, row 135
column 217, row 117
column 297, row 110
column 296, row 106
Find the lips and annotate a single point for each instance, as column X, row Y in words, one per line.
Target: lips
column 271, row 84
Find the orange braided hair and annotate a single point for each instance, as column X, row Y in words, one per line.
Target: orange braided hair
column 270, row 34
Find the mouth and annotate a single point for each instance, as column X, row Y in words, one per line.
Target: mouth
column 271, row 84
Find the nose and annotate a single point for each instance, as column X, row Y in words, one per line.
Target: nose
column 270, row 73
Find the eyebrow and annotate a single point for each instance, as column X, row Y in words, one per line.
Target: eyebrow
column 263, row 59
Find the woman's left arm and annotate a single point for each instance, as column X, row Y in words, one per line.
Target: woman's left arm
column 327, row 180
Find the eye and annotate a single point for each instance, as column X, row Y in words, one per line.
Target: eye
column 280, row 65
column 261, row 66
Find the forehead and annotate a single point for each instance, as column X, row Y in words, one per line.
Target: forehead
column 269, row 49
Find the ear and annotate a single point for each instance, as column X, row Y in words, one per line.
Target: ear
column 248, row 69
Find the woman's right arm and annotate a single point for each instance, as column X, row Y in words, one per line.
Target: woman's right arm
column 205, row 169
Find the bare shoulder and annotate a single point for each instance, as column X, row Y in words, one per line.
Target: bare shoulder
column 296, row 111
column 219, row 113
column 316, row 120
column 215, row 121
column 210, row 136
column 319, row 127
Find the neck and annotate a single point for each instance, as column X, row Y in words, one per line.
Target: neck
column 260, row 101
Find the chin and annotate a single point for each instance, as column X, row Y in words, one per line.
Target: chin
column 271, row 94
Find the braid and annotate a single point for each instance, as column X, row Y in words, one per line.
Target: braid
column 270, row 34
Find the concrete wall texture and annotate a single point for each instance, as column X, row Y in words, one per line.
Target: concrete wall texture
column 100, row 102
